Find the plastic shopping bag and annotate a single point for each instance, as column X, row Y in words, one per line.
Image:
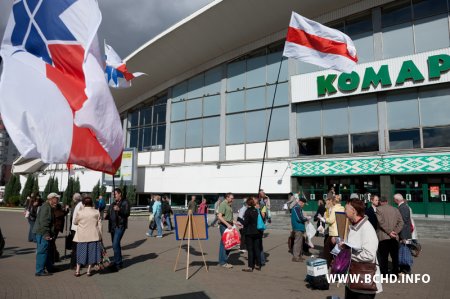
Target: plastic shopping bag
column 310, row 233
column 231, row 238
column 404, row 256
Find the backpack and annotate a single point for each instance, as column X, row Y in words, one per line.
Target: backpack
column 317, row 282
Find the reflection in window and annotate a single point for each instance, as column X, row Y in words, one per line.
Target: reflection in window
column 309, row 147
column 194, row 133
column 235, row 128
column 335, row 145
column 177, row 135
column 367, row 142
column 436, row 137
column 211, row 131
column 404, row 139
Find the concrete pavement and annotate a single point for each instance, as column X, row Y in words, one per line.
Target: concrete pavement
column 149, row 263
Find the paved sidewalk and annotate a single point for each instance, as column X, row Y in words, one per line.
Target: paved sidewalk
column 149, row 263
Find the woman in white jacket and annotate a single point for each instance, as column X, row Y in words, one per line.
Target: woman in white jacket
column 363, row 241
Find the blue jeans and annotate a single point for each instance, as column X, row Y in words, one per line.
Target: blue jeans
column 158, row 224
column 223, row 254
column 168, row 221
column 116, row 237
column 42, row 260
column 31, row 235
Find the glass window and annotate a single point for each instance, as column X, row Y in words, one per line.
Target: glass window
column 309, row 147
column 282, row 96
column 358, row 26
column 194, row 108
column 364, row 45
column 335, row 117
column 439, row 39
column 398, row 41
column 335, row 145
column 304, row 67
column 133, row 138
column 211, row 131
column 235, row 101
column 179, row 92
column 273, row 65
column 279, row 125
column 402, row 110
column 426, row 8
column 133, row 118
column 211, row 105
column 146, row 116
column 394, row 15
column 145, row 138
column 213, row 79
column 178, row 111
column 435, row 107
column 177, row 135
column 236, row 75
column 256, row 71
column 404, row 139
column 159, row 114
column 235, row 125
column 256, row 126
column 436, row 137
column 255, row 98
column 367, row 142
column 309, row 120
column 195, row 86
column 194, row 133
column 159, row 137
column 363, row 114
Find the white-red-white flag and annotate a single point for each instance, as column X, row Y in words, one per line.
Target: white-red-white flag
column 317, row 44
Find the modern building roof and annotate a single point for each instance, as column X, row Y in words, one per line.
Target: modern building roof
column 199, row 41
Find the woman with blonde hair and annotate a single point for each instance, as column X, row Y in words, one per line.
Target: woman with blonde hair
column 333, row 205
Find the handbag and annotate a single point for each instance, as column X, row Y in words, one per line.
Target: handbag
column 260, row 225
column 363, row 269
column 404, row 256
column 342, row 261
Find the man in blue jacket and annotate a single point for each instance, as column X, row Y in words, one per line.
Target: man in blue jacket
column 298, row 227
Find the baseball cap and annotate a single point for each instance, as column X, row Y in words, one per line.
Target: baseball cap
column 354, row 196
column 53, row 195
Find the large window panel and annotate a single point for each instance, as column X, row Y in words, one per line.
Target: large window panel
column 177, row 135
column 397, row 14
column 211, row 105
column 178, row 111
column 159, row 137
column 236, row 75
column 398, row 41
column 363, row 114
column 235, row 101
column 335, row 145
column 335, row 118
column 159, row 114
column 211, row 131
column 194, row 133
column 404, row 139
column 426, row 8
column 436, row 137
column 194, row 108
column 145, row 140
column 309, row 120
column 273, row 65
column 439, row 39
column 279, row 125
column 133, row 138
column 304, row 67
column 364, row 45
column 133, row 118
column 403, row 111
column 282, row 96
column 179, row 92
column 195, row 86
column 255, row 98
column 435, row 107
column 367, row 142
column 256, row 71
column 213, row 79
column 146, row 116
column 235, row 128
column 309, row 147
column 256, row 126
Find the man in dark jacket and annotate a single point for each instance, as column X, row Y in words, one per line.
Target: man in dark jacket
column 405, row 233
column 117, row 214
column 43, row 228
column 370, row 211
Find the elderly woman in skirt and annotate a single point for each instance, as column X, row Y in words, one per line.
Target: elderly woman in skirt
column 88, row 236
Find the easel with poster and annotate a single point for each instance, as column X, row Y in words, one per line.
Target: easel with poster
column 195, row 226
column 342, row 225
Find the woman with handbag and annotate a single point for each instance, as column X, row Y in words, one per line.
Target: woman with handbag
column 252, row 235
column 88, row 236
column 363, row 242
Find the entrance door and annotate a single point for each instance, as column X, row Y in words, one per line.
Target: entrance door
column 439, row 194
column 412, row 188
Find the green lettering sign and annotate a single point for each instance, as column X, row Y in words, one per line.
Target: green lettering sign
column 325, row 85
column 437, row 65
column 348, row 82
column 409, row 71
column 370, row 77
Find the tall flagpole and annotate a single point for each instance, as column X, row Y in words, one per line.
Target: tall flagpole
column 268, row 125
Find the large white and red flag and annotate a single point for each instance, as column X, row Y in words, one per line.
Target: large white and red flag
column 317, row 44
column 54, row 100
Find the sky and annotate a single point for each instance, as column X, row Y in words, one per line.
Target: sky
column 128, row 24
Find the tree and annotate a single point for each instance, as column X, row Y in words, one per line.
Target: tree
column 131, row 194
column 48, row 187
column 103, row 190
column 55, row 186
column 27, row 189
column 96, row 191
column 68, row 193
column 35, row 189
column 12, row 190
column 76, row 186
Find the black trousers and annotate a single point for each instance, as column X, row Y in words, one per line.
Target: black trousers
column 254, row 250
column 386, row 248
column 327, row 247
column 349, row 294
